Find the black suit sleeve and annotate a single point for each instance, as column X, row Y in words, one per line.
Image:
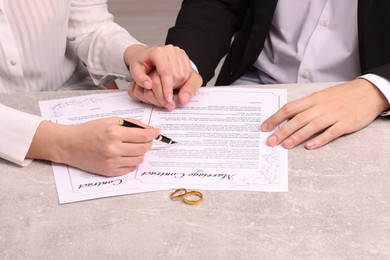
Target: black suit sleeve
column 204, row 29
column 374, row 37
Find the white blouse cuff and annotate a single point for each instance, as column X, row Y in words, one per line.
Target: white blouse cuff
column 16, row 134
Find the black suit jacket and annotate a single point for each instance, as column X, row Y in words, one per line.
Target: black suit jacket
column 205, row 29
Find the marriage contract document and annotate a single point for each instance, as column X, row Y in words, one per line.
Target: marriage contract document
column 219, row 144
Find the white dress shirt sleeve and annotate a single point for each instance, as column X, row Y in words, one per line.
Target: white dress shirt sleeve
column 382, row 84
column 16, row 133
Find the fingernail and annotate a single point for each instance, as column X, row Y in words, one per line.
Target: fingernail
column 288, row 143
column 170, row 98
column 185, row 97
column 272, row 140
column 264, row 127
column 310, row 145
column 147, row 85
column 170, row 106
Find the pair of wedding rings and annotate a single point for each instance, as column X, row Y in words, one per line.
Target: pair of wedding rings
column 189, row 197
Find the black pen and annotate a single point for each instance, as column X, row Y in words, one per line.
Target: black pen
column 161, row 138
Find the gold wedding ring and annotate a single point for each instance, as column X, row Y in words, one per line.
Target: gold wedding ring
column 178, row 194
column 193, row 198
column 188, row 197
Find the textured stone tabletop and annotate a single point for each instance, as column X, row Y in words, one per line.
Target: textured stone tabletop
column 337, row 207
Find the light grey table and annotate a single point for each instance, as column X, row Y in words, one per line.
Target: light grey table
column 337, row 207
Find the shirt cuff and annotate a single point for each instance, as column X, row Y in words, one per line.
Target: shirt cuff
column 114, row 60
column 382, row 84
column 104, row 59
column 16, row 134
column 194, row 66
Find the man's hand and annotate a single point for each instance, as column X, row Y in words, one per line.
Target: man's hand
column 171, row 64
column 326, row 115
column 156, row 96
column 99, row 146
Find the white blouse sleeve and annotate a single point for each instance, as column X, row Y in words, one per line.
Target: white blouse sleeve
column 98, row 41
column 16, row 133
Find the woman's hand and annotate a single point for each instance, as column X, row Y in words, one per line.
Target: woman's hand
column 155, row 95
column 157, row 71
column 99, row 146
